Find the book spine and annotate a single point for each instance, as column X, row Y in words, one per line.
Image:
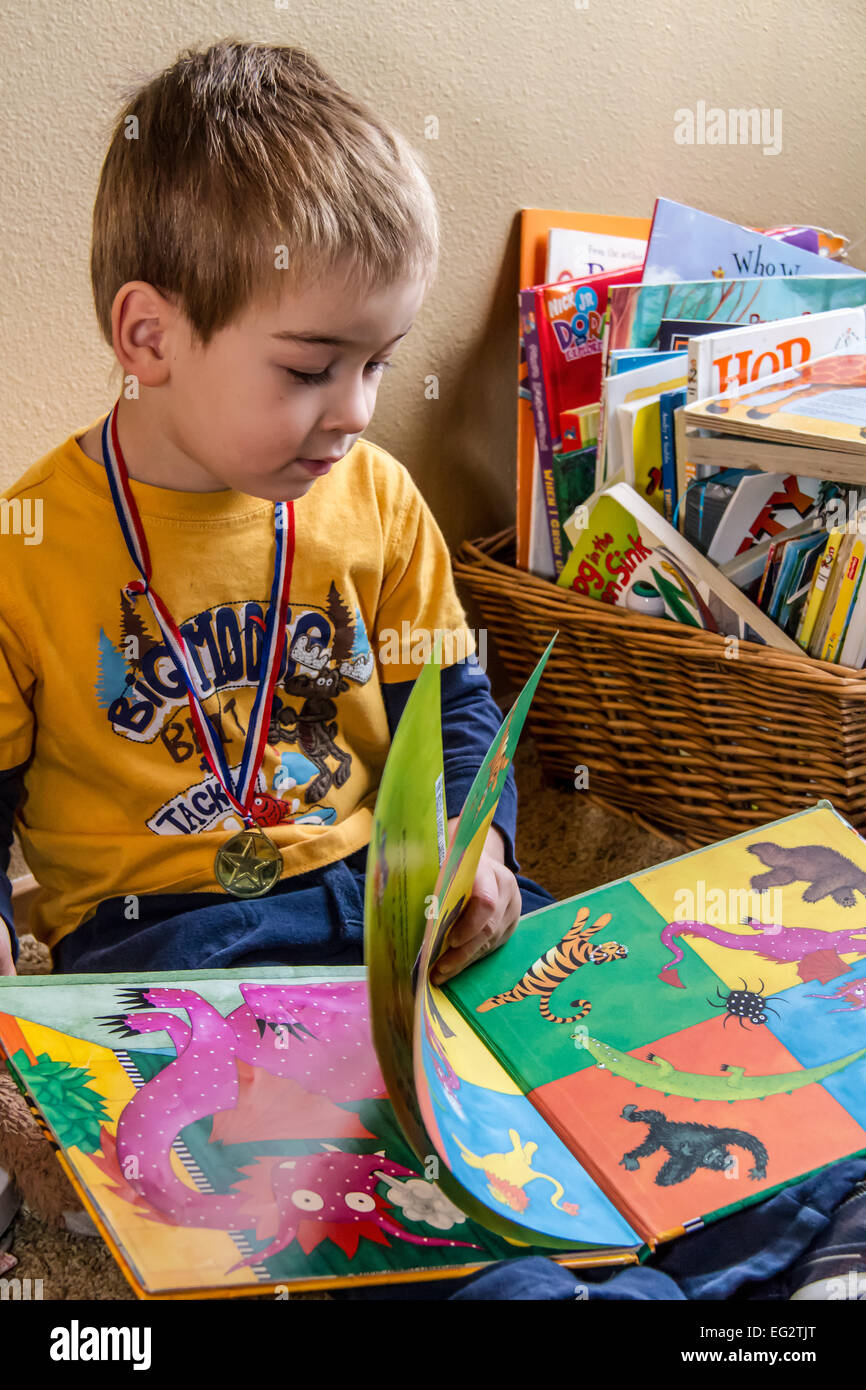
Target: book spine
column 822, row 581
column 669, row 401
column 698, row 377
column 765, row 578
column 531, row 306
column 809, row 612
column 842, row 607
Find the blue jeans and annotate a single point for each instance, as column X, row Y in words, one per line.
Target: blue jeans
column 316, row 918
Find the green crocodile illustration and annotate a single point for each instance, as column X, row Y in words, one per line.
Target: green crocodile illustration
column 659, row 1075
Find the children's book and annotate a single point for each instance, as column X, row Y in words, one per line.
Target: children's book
column 817, row 591
column 827, row 611
column 674, row 334
column 723, row 363
column 234, row 1132
column 719, row 362
column 669, row 403
column 562, row 333
column 687, row 244
column 604, row 238
column 762, row 505
column 636, row 311
column 821, row 404
column 660, row 372
column 845, row 599
column 746, row 569
column 627, row 554
column 640, row 447
column 800, row 559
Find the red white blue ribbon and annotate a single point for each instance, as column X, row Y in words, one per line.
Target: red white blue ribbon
column 272, row 643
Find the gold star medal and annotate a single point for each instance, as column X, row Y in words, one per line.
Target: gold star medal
column 249, row 864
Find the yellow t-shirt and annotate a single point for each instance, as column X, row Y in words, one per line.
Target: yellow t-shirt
column 118, row 798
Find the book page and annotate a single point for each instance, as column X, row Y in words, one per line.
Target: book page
column 696, row 1035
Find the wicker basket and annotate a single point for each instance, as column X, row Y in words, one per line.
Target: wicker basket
column 669, row 728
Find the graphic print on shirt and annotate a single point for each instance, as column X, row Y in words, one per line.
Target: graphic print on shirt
column 146, row 701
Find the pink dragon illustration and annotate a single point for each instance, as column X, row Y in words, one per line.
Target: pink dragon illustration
column 817, row 954
column 298, row 1050
column 853, row 993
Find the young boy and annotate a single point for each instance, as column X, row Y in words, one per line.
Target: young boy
column 194, row 714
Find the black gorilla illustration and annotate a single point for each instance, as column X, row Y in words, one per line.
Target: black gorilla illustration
column 690, row 1147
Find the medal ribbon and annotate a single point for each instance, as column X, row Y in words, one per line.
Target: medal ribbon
column 272, row 644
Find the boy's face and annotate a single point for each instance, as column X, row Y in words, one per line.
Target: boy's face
column 257, row 400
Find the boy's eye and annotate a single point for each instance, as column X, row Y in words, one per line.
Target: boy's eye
column 319, row 378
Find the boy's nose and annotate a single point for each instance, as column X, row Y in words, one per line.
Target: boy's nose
column 348, row 412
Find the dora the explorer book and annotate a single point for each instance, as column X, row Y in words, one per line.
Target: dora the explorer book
column 250, row 1132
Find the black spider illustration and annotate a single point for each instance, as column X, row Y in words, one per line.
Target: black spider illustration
column 743, row 1003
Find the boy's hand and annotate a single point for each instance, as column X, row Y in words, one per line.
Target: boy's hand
column 490, row 915
column 6, row 966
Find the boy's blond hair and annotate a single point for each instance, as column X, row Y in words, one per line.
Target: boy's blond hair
column 245, row 169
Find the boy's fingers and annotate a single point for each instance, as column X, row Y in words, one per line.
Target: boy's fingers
column 482, row 908
column 458, row 957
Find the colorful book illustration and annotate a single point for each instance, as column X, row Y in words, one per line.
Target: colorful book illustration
column 628, row 555
column 687, row 244
column 536, row 268
column 233, row 1132
column 636, row 311
column 695, row 1034
column 821, row 404
column 762, row 505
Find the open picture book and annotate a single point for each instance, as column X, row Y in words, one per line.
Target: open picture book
column 631, row 1063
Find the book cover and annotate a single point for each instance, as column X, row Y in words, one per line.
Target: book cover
column 721, row 361
column 628, row 555
column 636, row 311
column 674, row 334
column 762, row 506
column 687, row 244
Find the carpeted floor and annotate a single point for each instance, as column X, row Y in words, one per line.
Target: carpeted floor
column 564, row 843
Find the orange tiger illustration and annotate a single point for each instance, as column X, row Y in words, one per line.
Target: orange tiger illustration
column 568, row 955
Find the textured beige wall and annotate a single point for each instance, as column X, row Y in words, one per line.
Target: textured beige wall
column 543, row 103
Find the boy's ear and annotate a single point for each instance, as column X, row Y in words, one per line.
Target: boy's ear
column 143, row 321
